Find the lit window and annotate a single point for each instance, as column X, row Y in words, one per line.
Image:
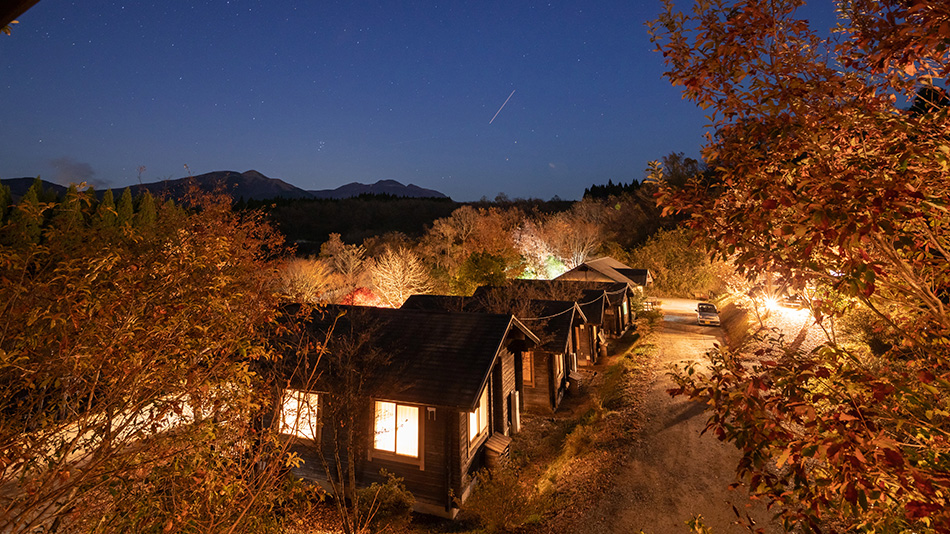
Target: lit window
column 300, row 414
column 478, row 420
column 397, row 429
column 527, row 367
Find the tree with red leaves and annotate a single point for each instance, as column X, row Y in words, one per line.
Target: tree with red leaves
column 830, row 171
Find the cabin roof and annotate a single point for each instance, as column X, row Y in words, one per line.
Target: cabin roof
column 437, row 358
column 608, row 269
column 555, row 320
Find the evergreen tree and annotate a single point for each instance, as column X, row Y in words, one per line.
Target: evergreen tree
column 124, row 209
column 106, row 212
column 68, row 213
column 145, row 214
column 6, row 201
column 26, row 219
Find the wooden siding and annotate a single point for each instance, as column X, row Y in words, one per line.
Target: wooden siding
column 538, row 397
column 584, row 341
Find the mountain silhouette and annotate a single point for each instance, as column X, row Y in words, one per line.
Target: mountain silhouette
column 249, row 185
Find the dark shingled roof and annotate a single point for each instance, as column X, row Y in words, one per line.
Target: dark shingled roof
column 639, row 276
column 436, row 303
column 592, row 303
column 556, row 320
column 440, row 358
column 551, row 320
column 608, row 269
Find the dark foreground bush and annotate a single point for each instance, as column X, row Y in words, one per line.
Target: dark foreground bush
column 501, row 503
column 391, row 501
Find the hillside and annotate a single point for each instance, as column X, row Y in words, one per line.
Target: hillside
column 249, row 185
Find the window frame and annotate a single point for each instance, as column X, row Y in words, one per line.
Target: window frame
column 384, row 454
column 484, row 427
column 298, row 431
column 527, row 368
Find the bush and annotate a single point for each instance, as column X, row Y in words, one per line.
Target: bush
column 500, row 503
column 392, row 501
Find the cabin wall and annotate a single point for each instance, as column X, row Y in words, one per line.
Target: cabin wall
column 509, row 384
column 585, row 344
column 432, row 480
column 429, row 481
column 538, row 397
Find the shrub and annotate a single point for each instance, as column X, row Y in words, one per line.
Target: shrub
column 392, row 502
column 500, row 503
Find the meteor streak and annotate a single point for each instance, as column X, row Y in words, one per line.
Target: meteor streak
column 502, row 107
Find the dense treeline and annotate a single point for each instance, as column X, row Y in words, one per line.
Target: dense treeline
column 308, row 223
column 605, row 191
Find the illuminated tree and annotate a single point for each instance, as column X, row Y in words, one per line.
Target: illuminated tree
column 347, row 260
column 576, row 234
column 822, row 180
column 679, row 267
column 397, row 274
column 480, row 269
column 308, row 280
column 452, row 240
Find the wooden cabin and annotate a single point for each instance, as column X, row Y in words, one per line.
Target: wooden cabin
column 440, row 403
column 599, row 308
column 608, row 269
column 546, row 368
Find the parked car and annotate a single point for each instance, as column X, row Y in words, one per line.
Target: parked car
column 707, row 314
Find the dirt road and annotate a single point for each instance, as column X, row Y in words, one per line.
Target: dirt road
column 673, row 473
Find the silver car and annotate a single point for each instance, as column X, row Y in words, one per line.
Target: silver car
column 707, row 314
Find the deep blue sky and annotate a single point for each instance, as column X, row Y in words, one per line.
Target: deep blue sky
column 324, row 93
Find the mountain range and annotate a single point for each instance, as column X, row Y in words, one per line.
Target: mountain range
column 251, row 185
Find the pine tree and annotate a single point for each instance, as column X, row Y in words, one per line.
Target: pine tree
column 68, row 213
column 106, row 212
column 145, row 215
column 6, row 202
column 124, row 209
column 27, row 219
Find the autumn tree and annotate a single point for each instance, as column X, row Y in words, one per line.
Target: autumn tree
column 679, row 267
column 127, row 397
column 488, row 230
column 480, row 269
column 576, row 234
column 348, row 260
column 309, row 280
column 397, row 274
column 824, row 179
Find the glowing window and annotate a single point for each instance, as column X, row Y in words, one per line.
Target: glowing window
column 300, row 414
column 478, row 420
column 527, row 367
column 396, row 429
column 558, row 365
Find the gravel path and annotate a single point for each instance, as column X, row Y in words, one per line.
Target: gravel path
column 673, row 473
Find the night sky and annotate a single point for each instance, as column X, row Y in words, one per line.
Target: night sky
column 323, row 93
